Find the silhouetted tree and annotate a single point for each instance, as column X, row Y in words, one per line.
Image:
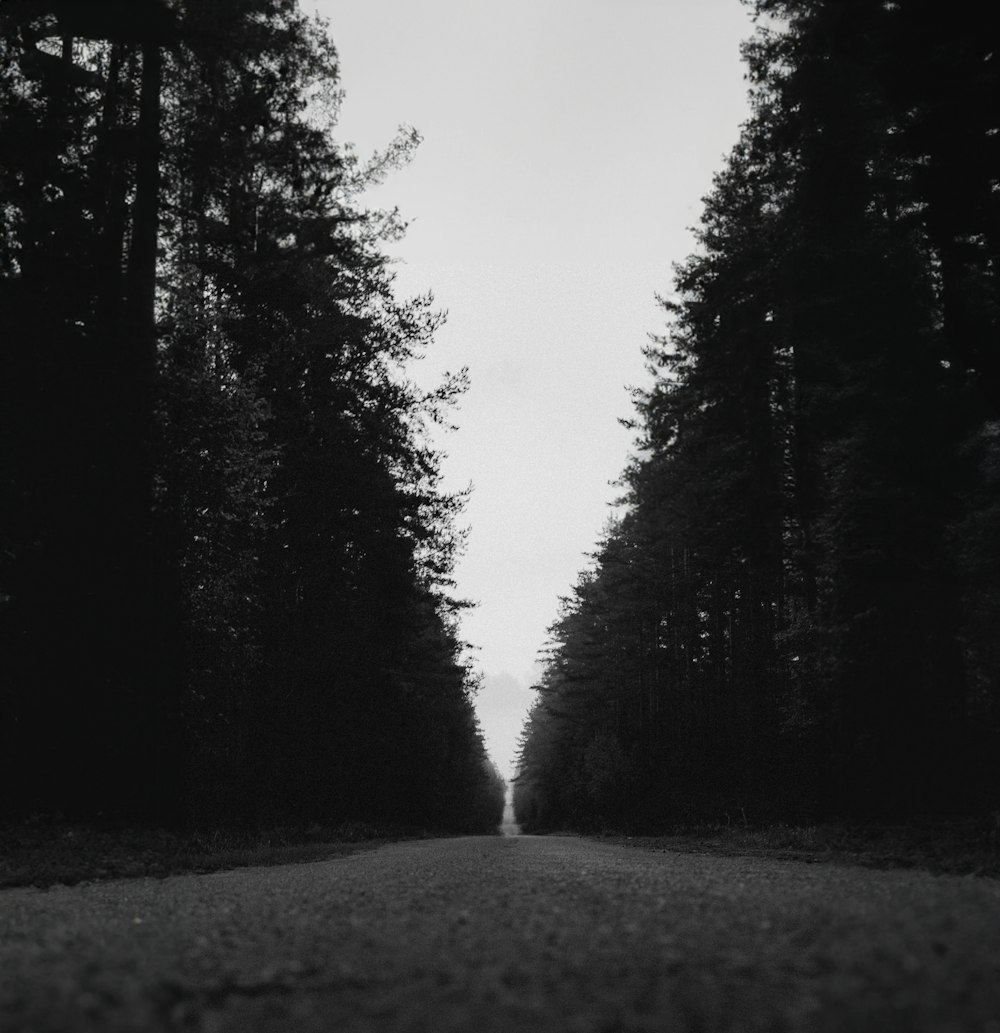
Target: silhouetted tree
column 228, row 553
column 786, row 622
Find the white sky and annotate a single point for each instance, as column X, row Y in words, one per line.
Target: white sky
column 567, row 146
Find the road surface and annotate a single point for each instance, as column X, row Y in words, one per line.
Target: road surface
column 503, row 935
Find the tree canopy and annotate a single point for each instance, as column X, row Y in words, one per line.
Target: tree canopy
column 796, row 617
column 226, row 566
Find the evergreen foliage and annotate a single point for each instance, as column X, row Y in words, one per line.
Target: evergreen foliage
column 796, row 619
column 226, row 589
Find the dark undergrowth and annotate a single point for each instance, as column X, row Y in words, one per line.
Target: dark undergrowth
column 48, row 853
column 967, row 846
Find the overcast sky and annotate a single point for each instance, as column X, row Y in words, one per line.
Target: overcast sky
column 567, row 146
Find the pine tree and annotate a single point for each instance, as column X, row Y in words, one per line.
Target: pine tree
column 233, row 527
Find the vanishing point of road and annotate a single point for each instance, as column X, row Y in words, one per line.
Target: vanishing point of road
column 503, row 935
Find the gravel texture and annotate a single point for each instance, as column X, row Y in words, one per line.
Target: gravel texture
column 501, row 935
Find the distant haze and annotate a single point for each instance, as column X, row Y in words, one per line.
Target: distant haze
column 566, row 148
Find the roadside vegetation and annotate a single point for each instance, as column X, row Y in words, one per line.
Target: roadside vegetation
column 226, row 558
column 794, row 621
column 958, row 847
column 45, row 853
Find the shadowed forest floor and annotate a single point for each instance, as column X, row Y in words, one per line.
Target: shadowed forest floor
column 52, row 853
column 969, row 846
column 43, row 853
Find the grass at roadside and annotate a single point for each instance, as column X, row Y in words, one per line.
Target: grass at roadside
column 957, row 847
column 44, row 853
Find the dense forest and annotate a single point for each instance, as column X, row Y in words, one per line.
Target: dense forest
column 797, row 618
column 225, row 552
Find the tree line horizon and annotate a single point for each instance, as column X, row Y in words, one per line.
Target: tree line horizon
column 227, row 559
column 798, row 617
column 226, row 564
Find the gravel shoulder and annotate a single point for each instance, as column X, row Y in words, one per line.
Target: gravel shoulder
column 500, row 935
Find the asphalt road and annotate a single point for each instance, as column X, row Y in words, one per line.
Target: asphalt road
column 500, row 935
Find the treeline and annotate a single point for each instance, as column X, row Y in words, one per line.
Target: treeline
column 225, row 590
column 798, row 618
